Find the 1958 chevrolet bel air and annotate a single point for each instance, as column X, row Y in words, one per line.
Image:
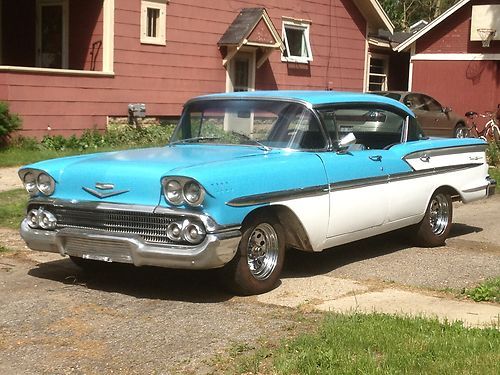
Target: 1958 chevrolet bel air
column 247, row 175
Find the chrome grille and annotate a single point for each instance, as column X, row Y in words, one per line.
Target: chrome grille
column 151, row 227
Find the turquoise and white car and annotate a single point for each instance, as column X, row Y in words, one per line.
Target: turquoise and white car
column 248, row 175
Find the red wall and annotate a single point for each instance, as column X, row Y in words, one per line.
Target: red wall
column 463, row 85
column 190, row 64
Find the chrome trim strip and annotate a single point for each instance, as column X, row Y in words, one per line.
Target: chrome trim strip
column 267, row 198
column 452, row 150
column 473, row 190
column 103, row 195
column 252, row 200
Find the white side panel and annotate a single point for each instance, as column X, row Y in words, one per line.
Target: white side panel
column 313, row 213
column 421, row 162
column 357, row 209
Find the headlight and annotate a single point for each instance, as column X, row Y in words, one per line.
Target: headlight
column 193, row 193
column 173, row 191
column 179, row 190
column 45, row 184
column 29, row 181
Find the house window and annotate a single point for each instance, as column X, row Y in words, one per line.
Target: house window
column 153, row 21
column 296, row 40
column 377, row 77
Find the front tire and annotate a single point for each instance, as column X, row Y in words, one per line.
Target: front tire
column 435, row 227
column 460, row 131
column 257, row 265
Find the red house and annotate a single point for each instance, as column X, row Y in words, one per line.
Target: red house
column 448, row 59
column 74, row 64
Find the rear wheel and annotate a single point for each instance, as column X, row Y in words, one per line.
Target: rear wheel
column 257, row 265
column 460, row 131
column 435, row 227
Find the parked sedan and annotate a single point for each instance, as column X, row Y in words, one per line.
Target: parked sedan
column 435, row 119
column 246, row 176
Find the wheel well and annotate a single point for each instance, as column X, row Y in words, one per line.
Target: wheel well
column 296, row 235
column 452, row 192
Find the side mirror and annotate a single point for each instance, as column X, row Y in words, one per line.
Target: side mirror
column 346, row 141
column 446, row 109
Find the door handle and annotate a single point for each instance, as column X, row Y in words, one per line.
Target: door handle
column 376, row 157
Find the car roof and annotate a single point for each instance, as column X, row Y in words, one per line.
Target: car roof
column 313, row 98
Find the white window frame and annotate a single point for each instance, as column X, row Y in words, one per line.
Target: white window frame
column 304, row 26
column 161, row 6
column 385, row 74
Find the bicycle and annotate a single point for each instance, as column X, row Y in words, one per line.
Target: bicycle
column 491, row 130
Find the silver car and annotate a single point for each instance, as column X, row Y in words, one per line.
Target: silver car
column 434, row 119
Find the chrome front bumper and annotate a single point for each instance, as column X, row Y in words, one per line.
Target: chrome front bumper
column 215, row 251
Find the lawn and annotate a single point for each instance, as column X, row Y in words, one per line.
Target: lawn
column 495, row 173
column 12, row 207
column 377, row 344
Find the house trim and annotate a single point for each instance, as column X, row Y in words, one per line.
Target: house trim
column 108, row 37
column 430, row 26
column 455, row 56
column 68, row 72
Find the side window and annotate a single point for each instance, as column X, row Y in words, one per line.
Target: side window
column 431, row 104
column 415, row 132
column 415, row 102
column 374, row 128
column 296, row 40
column 153, row 21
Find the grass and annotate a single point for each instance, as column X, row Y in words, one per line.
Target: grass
column 12, row 207
column 378, row 344
column 487, row 291
column 3, row 249
column 495, row 173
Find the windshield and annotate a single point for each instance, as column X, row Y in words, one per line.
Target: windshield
column 262, row 123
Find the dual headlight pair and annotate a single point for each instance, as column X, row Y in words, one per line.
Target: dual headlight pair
column 180, row 190
column 35, row 182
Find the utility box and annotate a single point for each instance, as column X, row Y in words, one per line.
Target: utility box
column 137, row 110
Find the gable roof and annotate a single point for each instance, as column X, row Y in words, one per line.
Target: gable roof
column 408, row 42
column 243, row 25
column 374, row 14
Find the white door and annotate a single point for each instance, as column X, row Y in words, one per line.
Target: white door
column 242, row 72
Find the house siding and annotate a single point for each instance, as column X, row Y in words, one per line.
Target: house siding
column 464, row 85
column 164, row 77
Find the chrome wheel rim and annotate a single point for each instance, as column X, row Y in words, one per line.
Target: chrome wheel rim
column 439, row 214
column 262, row 251
column 461, row 133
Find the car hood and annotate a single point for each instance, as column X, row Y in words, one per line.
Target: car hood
column 132, row 176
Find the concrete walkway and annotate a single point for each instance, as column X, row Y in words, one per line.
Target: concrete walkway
column 9, row 179
column 343, row 295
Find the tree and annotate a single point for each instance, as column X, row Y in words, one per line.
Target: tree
column 404, row 13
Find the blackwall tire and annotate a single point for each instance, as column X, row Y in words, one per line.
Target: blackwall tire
column 257, row 265
column 435, row 227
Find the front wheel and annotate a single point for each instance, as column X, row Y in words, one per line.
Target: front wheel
column 257, row 265
column 435, row 227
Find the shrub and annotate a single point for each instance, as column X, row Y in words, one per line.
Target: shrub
column 493, row 154
column 9, row 123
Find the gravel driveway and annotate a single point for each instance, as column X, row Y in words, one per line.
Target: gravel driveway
column 56, row 319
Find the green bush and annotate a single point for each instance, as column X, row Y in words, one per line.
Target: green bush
column 9, row 123
column 115, row 136
column 493, row 154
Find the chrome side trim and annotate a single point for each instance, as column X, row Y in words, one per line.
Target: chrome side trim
column 452, row 150
column 251, row 200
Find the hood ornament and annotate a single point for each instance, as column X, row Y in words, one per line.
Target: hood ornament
column 104, row 186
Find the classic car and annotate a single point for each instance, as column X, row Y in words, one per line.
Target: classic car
column 247, row 175
column 435, row 119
